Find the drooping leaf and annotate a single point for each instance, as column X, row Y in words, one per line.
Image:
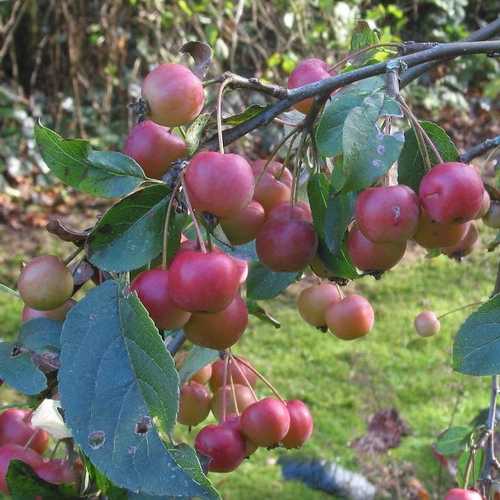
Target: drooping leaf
column 339, row 265
column 318, row 188
column 24, row 484
column 197, row 358
column 245, row 252
column 41, row 333
column 363, row 36
column 330, row 129
column 255, row 309
column 263, row 284
column 195, row 132
column 100, row 173
column 250, row 112
column 367, row 152
column 411, row 166
column 453, row 440
column 338, row 215
column 120, row 389
column 476, row 348
column 130, row 234
column 19, row 371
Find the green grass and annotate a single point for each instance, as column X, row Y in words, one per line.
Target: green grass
column 344, row 383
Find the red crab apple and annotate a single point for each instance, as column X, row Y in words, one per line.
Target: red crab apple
column 202, row 376
column 272, row 186
column 12, row 451
column 314, row 300
column 432, row 234
column 221, row 184
column 461, row 494
column 427, row 324
column 57, row 314
column 244, row 398
column 174, row 94
column 238, row 370
column 266, row 422
column 204, row 282
column 492, row 217
column 465, row 246
column 16, row 428
column 451, row 193
column 154, row 291
column 351, row 318
column 218, row 330
column 369, row 256
column 194, row 404
column 307, row 71
column 57, row 471
column 153, row 147
column 224, row 447
column 285, row 211
column 45, row 283
column 234, row 422
column 387, row 214
column 243, row 226
column 301, row 424
column 286, row 244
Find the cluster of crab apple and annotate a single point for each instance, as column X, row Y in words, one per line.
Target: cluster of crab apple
column 20, row 440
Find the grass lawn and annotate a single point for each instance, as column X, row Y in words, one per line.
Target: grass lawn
column 344, row 382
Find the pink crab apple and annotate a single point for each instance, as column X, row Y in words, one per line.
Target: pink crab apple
column 9, row 452
column 57, row 471
column 153, row 147
column 221, row 184
column 154, row 291
column 202, row 376
column 219, row 330
column 243, row 226
column 237, row 370
column 308, row 71
column 287, row 244
column 465, row 246
column 462, row 494
column 285, row 211
column 244, row 398
column 451, row 193
column 57, row 314
column 16, row 428
column 387, row 214
column 427, row 324
column 314, row 300
column 204, row 282
column 432, row 234
column 234, row 422
column 301, row 424
column 272, row 185
column 369, row 256
column 194, row 404
column 224, row 447
column 45, row 283
column 174, row 94
column 265, row 422
column 351, row 318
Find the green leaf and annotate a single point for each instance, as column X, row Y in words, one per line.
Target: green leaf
column 100, row 173
column 255, row 309
column 120, row 389
column 176, row 225
column 363, row 36
column 453, row 440
column 330, row 129
column 25, row 484
column 476, row 348
column 130, row 234
column 339, row 264
column 41, row 333
column 367, row 152
column 20, row 372
column 263, row 284
column 250, row 112
column 195, row 133
column 475, row 471
column 338, row 215
column 411, row 166
column 317, row 193
column 197, row 358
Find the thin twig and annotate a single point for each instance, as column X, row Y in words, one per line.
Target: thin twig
column 480, row 149
column 167, row 221
column 223, row 85
column 199, row 235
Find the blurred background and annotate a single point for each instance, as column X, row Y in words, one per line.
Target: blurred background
column 78, row 64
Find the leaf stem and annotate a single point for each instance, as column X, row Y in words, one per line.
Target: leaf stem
column 244, row 377
column 224, row 385
column 72, row 256
column 477, row 303
column 233, row 390
column 167, row 221
column 199, row 235
column 10, row 291
column 223, row 85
